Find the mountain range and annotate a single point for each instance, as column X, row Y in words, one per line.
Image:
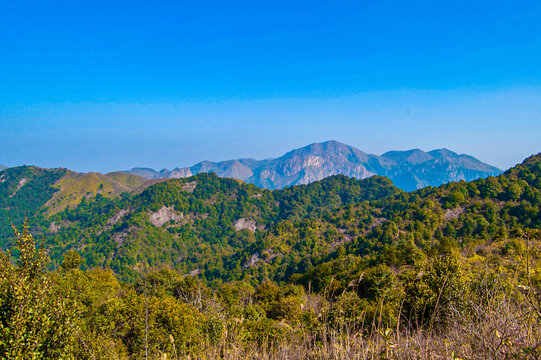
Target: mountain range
column 206, row 251
column 408, row 170
column 226, row 229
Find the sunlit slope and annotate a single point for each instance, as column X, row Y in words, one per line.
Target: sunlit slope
column 224, row 230
column 37, row 193
column 193, row 223
column 73, row 187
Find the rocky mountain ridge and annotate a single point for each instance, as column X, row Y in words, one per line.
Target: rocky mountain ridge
column 409, row 170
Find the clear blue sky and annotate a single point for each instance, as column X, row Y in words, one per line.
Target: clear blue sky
column 108, row 85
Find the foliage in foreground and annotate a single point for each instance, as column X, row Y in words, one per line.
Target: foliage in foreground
column 341, row 269
column 444, row 307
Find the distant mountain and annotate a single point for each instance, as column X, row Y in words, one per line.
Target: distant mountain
column 225, row 229
column 415, row 169
column 149, row 173
column 409, row 170
column 2, row 167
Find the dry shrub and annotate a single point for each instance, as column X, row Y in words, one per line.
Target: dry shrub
column 494, row 328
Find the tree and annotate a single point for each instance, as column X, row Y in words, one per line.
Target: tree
column 35, row 322
column 72, row 260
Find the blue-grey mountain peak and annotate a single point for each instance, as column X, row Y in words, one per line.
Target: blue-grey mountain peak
column 409, row 170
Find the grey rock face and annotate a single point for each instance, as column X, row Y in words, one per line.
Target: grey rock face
column 409, row 170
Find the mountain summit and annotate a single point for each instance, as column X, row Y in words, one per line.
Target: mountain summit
column 409, row 170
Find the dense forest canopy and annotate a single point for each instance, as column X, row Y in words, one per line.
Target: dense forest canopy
column 224, row 229
column 215, row 263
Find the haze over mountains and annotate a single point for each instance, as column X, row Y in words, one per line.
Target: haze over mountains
column 409, row 170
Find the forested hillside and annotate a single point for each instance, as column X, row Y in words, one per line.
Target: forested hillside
column 194, row 224
column 339, row 268
column 23, row 193
column 224, row 229
column 37, row 193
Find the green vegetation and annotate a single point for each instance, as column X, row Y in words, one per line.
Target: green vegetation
column 73, row 187
column 443, row 306
column 36, row 193
column 201, row 235
column 36, row 321
column 23, row 192
column 208, row 267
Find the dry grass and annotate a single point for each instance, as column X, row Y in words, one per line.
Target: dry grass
column 498, row 329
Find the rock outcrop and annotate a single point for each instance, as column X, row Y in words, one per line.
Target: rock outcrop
column 409, row 170
column 164, row 215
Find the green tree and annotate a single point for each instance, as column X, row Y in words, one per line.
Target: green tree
column 35, row 322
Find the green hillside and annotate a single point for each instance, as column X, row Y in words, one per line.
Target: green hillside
column 194, row 224
column 39, row 193
column 24, row 191
column 339, row 269
column 73, row 187
column 223, row 229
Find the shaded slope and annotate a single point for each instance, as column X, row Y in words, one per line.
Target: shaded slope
column 416, row 169
column 23, row 192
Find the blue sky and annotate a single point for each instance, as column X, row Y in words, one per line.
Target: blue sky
column 108, row 85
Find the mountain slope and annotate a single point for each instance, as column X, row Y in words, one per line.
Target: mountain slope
column 417, row 169
column 191, row 224
column 484, row 218
column 73, row 187
column 24, row 190
column 149, row 173
column 37, row 193
column 225, row 229
column 409, row 170
column 312, row 163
